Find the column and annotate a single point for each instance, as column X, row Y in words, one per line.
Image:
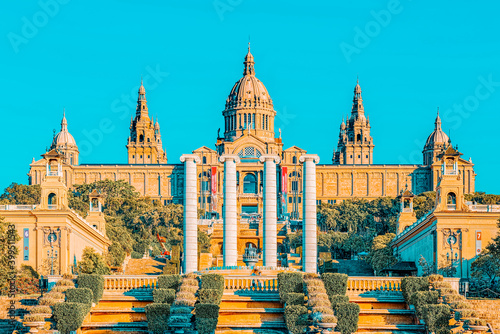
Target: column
column 309, row 243
column 270, row 213
column 229, row 214
column 190, row 262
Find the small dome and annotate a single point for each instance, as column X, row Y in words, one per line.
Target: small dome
column 437, row 137
column 63, row 138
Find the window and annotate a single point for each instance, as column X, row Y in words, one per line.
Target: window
column 294, row 160
column 318, row 202
column 141, row 157
column 141, row 138
column 249, row 209
column 359, row 156
column 452, row 199
column 250, row 184
column 204, row 160
column 133, row 156
column 149, row 157
column 358, row 138
column 367, row 156
column 300, row 199
column 295, row 185
column 51, row 199
column 148, row 140
column 290, row 199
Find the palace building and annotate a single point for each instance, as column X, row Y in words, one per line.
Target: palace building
column 249, row 133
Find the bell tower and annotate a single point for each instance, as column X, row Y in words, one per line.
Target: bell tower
column 406, row 214
column 54, row 195
column 450, row 188
column 95, row 217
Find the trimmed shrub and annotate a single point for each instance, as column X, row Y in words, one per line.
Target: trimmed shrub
column 169, row 282
column 56, row 295
column 453, row 298
column 460, row 305
column 441, row 285
column 209, row 296
column 190, row 282
column 423, row 298
column 69, row 316
column 315, row 288
column 61, row 288
column 348, row 316
column 94, row 282
column 40, row 309
column 338, row 299
column 181, row 310
column 65, row 282
column 163, row 296
column 465, row 313
column 475, row 322
column 49, row 301
column 185, row 301
column 33, row 318
column 188, row 288
column 436, row 317
column 80, row 295
column 447, row 291
column 314, row 302
column 335, row 284
column 294, row 298
column 157, row 315
column 207, row 316
column 289, row 282
column 328, row 318
column 322, row 309
column 213, row 281
column 434, row 278
column 410, row 285
column 294, row 318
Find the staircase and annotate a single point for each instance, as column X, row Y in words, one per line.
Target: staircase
column 489, row 310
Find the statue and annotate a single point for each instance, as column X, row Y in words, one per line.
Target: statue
column 218, row 133
column 279, row 130
column 251, row 257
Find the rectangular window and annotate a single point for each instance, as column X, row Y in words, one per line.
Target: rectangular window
column 367, row 156
column 359, row 156
column 164, row 202
column 290, row 199
column 295, row 185
column 318, row 202
column 300, row 199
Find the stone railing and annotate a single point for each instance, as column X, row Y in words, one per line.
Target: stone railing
column 123, row 283
column 365, row 284
column 268, row 283
column 9, row 207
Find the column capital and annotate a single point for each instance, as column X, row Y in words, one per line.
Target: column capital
column 188, row 157
column 270, row 157
column 229, row 158
column 309, row 157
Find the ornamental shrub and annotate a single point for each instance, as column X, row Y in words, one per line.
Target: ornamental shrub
column 190, row 282
column 61, row 288
column 209, row 296
column 475, row 322
column 69, row 316
column 434, row 278
column 335, row 284
column 40, row 309
column 207, row 316
column 335, row 300
column 49, row 301
column 289, row 282
column 423, row 298
column 465, row 313
column 157, row 315
column 410, row 285
column 80, row 295
column 348, row 316
column 169, row 282
column 213, row 281
column 447, row 291
column 65, row 282
column 188, row 288
column 441, row 285
column 33, row 318
column 452, row 298
column 294, row 298
column 436, row 317
column 163, row 296
column 295, row 318
column 94, row 282
column 460, row 305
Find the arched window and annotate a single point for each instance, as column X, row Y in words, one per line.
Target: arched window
column 248, row 244
column 267, row 122
column 204, row 160
column 52, row 199
column 245, row 121
column 294, row 160
column 250, row 184
column 358, row 138
column 141, row 138
column 148, row 140
column 452, row 199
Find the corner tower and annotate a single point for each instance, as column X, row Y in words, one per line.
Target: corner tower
column 355, row 145
column 249, row 108
column 144, row 144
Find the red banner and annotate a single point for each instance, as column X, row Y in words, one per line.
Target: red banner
column 284, row 180
column 213, row 187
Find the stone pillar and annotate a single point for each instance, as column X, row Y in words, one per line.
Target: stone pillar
column 190, row 262
column 229, row 214
column 270, row 213
column 309, row 243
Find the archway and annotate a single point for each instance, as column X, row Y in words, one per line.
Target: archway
column 250, row 184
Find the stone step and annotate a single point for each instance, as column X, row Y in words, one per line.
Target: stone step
column 245, row 326
column 119, row 304
column 378, row 303
column 243, row 296
column 252, row 331
column 115, row 326
column 245, row 304
column 252, row 310
column 400, row 328
column 386, row 317
column 113, row 315
column 249, row 317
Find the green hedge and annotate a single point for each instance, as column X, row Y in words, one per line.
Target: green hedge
column 335, row 300
column 206, row 319
column 169, row 282
column 157, row 315
column 294, row 298
column 295, row 318
column 209, row 296
column 69, row 316
column 410, row 285
column 163, row 296
column 290, row 282
column 79, row 295
column 348, row 317
column 335, row 284
column 437, row 317
column 94, row 282
column 213, row 281
column 420, row 299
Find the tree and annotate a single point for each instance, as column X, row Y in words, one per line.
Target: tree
column 381, row 255
column 92, row 263
column 203, row 242
column 21, row 194
column 8, row 252
column 427, row 268
column 487, row 264
column 424, row 203
column 483, row 198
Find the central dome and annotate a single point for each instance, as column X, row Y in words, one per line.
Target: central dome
column 63, row 138
column 437, row 137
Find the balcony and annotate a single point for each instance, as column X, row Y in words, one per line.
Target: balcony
column 451, row 207
column 54, row 173
column 10, row 207
column 52, row 206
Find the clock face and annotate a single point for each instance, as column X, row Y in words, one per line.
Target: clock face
column 52, row 237
column 452, row 239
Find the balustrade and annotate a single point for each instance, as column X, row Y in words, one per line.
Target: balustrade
column 268, row 283
column 365, row 284
column 122, row 283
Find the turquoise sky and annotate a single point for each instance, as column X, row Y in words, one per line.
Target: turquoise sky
column 411, row 57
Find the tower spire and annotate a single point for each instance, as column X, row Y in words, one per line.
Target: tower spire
column 357, row 101
column 142, row 106
column 249, row 63
column 438, row 121
column 64, row 122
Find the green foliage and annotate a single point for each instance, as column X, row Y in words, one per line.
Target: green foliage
column 28, row 271
column 424, row 203
column 410, row 285
column 289, row 282
column 169, row 282
column 33, row 318
column 157, row 316
column 207, row 316
column 335, row 300
column 213, row 281
column 483, row 198
column 465, row 313
column 295, row 318
column 294, row 298
column 163, row 296
column 92, row 263
column 205, row 325
column 436, row 317
column 381, row 255
column 203, row 242
column 21, row 194
column 348, row 317
column 69, row 316
column 8, row 252
column 335, row 284
column 420, row 299
column 80, row 295
column 209, row 296
column 41, row 309
column 486, row 265
column 94, row 282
